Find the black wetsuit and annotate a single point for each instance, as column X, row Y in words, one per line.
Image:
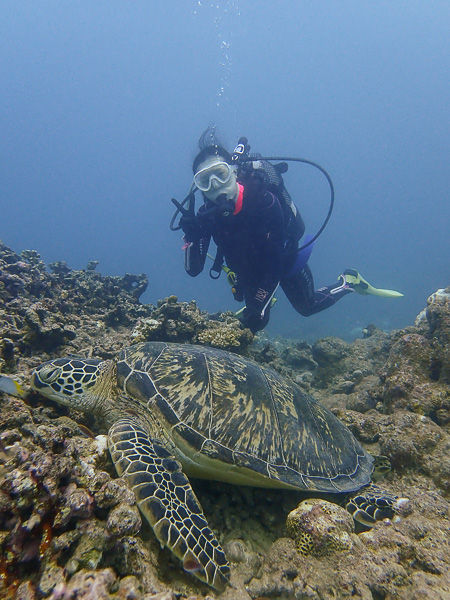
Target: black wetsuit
column 256, row 245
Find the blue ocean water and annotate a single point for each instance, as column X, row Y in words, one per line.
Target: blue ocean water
column 102, row 105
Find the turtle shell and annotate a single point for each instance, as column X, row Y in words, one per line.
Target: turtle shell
column 243, row 416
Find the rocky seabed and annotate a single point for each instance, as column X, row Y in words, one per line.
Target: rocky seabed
column 70, row 529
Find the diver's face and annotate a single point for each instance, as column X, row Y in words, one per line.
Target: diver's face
column 215, row 177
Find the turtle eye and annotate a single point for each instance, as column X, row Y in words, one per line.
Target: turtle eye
column 49, row 374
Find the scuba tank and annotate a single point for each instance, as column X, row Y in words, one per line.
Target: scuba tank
column 254, row 165
column 275, row 183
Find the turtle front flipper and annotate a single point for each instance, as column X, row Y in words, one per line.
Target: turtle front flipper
column 165, row 497
column 371, row 504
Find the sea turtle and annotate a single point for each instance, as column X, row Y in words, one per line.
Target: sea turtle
column 174, row 411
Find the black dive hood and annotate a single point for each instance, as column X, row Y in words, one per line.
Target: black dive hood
column 240, row 156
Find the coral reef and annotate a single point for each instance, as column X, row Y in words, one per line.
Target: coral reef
column 184, row 322
column 69, row 528
column 74, row 311
column 83, row 312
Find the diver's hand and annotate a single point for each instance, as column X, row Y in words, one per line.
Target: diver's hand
column 219, row 210
column 224, row 207
column 191, row 227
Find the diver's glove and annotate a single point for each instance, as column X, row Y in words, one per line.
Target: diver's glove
column 191, row 227
column 224, row 207
column 221, row 209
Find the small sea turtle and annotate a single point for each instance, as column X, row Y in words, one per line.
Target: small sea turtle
column 174, row 411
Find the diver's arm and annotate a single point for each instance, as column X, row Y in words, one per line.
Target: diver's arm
column 197, row 237
column 195, row 255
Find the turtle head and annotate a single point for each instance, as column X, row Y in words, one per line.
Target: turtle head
column 77, row 383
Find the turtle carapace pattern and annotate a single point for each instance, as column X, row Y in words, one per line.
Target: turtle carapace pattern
column 173, row 411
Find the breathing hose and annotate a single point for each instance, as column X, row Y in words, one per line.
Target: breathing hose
column 313, row 164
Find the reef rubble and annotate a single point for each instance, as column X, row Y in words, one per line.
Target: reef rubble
column 69, row 528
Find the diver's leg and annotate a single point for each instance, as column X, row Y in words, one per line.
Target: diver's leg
column 256, row 313
column 299, row 289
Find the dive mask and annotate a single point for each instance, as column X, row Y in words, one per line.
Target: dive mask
column 214, row 175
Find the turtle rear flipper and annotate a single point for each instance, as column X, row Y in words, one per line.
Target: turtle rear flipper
column 371, row 504
column 165, row 497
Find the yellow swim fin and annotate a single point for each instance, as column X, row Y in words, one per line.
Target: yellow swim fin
column 354, row 281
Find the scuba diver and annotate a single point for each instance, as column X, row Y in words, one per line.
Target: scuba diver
column 257, row 228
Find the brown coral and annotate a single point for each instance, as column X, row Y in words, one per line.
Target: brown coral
column 184, row 322
column 320, row 528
